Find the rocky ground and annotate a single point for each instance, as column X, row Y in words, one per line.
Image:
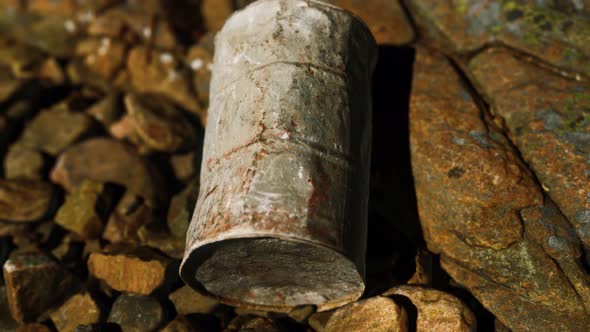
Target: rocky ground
column 480, row 195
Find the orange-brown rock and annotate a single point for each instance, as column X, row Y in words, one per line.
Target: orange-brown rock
column 483, row 212
column 107, row 160
column 386, row 19
column 188, row 301
column 437, row 311
column 548, row 118
column 80, row 212
column 80, row 309
column 130, row 214
column 35, row 283
column 379, row 314
column 25, row 200
column 138, row 271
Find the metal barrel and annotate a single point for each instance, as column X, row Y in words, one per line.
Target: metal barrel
column 282, row 209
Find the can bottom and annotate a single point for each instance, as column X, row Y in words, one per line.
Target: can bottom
column 272, row 274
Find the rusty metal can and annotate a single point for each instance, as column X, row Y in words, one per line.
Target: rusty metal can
column 282, row 209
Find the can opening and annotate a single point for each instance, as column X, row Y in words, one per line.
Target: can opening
column 273, row 274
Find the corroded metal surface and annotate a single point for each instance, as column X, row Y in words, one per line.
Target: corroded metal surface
column 281, row 215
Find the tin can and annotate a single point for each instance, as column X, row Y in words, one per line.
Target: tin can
column 282, row 209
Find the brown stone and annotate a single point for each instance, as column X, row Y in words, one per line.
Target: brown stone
column 158, row 72
column 79, row 213
column 181, row 208
column 423, row 273
column 106, row 110
column 55, row 129
column 8, row 84
column 548, row 118
column 374, row 314
column 106, row 160
column 19, row 57
column 33, row 327
column 55, row 35
column 80, row 309
column 319, row 320
column 136, row 313
column 139, row 271
column 104, row 56
column 261, row 324
column 22, row 162
column 7, row 323
column 215, row 12
column 496, row 233
column 128, row 216
column 185, row 166
column 25, row 200
column 159, row 124
column 200, row 60
column 386, row 19
column 188, row 301
column 437, row 311
column 555, row 34
column 179, row 324
column 51, row 71
column 34, row 283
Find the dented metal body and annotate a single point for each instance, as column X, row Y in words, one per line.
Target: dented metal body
column 281, row 214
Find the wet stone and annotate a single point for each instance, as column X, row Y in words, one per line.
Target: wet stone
column 160, row 72
column 28, row 278
column 81, row 211
column 53, row 130
column 107, row 160
column 25, row 200
column 437, row 311
column 374, row 314
column 159, row 124
column 139, row 271
column 188, row 301
column 22, row 162
column 136, row 313
column 80, row 309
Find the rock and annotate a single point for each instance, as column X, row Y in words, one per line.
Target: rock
column 81, row 211
column 33, row 327
column 158, row 72
column 106, row 160
column 188, row 301
column 386, row 19
column 50, row 71
column 136, row 313
column 373, row 314
column 80, row 309
column 54, row 35
column 139, row 271
column 55, row 129
column 181, row 209
column 319, row 320
column 437, row 311
column 128, row 216
column 158, row 124
column 423, row 273
column 185, row 166
column 104, row 56
column 261, row 324
column 505, row 242
column 7, row 323
column 9, row 85
column 301, row 313
column 106, row 110
column 19, row 57
column 555, row 34
column 548, row 118
column 28, row 278
column 179, row 324
column 22, row 162
column 215, row 12
column 79, row 74
column 25, row 200
column 200, row 60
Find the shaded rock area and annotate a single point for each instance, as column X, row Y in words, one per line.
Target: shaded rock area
column 479, row 208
